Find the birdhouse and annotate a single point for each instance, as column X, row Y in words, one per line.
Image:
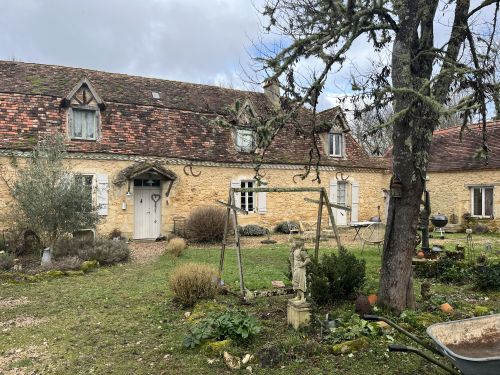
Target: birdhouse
column 396, row 187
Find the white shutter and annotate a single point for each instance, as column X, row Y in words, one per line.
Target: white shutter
column 236, row 184
column 333, row 190
column 333, row 198
column 102, row 194
column 262, row 202
column 355, row 201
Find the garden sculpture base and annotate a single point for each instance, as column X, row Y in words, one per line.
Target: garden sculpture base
column 298, row 314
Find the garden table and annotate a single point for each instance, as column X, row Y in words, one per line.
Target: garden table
column 357, row 225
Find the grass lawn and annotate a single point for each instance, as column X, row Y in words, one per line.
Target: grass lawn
column 121, row 320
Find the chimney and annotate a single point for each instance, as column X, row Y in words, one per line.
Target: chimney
column 272, row 91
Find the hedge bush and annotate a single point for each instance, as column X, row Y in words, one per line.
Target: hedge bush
column 284, row 227
column 6, row 261
column 192, row 282
column 106, row 252
column 206, row 224
column 252, row 230
column 487, row 277
column 336, row 277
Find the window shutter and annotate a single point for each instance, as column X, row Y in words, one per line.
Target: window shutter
column 333, row 198
column 237, row 196
column 355, row 201
column 70, row 122
column 262, row 202
column 102, row 194
column 333, row 190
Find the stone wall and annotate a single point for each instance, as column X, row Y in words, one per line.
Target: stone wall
column 450, row 193
column 189, row 192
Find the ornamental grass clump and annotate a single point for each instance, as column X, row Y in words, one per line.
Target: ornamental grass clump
column 6, row 261
column 192, row 282
column 176, row 246
column 206, row 224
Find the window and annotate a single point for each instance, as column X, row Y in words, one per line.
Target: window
column 84, row 124
column 247, row 198
column 482, row 201
column 88, row 182
column 342, row 193
column 335, row 142
column 147, row 182
column 245, row 140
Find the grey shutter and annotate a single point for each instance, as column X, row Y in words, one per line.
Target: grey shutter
column 235, row 184
column 70, row 122
column 355, row 201
column 102, row 194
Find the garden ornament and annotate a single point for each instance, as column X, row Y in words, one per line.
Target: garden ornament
column 46, row 257
column 299, row 259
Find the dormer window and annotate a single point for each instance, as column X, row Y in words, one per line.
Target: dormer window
column 335, row 144
column 245, row 140
column 245, row 136
column 84, row 124
column 83, row 108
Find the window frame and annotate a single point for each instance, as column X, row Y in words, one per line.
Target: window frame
column 244, row 197
column 245, row 148
column 331, row 144
column 72, row 123
column 483, row 201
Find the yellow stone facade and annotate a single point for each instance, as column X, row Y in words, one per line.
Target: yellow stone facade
column 450, row 193
column 189, row 192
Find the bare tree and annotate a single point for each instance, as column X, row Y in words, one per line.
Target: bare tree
column 418, row 82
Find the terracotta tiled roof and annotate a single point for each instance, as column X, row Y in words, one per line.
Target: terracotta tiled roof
column 449, row 153
column 135, row 123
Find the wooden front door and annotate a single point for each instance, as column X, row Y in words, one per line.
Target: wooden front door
column 147, row 212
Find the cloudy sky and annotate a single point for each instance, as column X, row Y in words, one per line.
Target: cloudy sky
column 201, row 41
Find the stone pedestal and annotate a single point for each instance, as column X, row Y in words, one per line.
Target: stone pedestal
column 298, row 314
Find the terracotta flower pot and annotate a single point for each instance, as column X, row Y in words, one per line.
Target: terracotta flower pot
column 420, row 255
column 372, row 298
column 446, row 308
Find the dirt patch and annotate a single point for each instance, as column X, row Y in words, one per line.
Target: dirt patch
column 21, row 361
column 8, row 303
column 146, row 252
column 21, row 321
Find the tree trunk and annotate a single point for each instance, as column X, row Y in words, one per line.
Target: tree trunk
column 412, row 134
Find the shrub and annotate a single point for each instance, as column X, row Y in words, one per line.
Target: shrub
column 480, row 229
column 67, row 263
column 206, row 224
column 6, row 261
column 252, row 230
column 336, row 277
column 232, row 324
column 115, row 233
column 106, row 252
column 487, row 277
column 176, row 246
column 284, row 227
column 445, row 270
column 191, row 282
column 70, row 247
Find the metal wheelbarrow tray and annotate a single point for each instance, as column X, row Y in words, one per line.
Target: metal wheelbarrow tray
column 472, row 344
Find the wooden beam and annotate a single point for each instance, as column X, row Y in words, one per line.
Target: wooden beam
column 332, row 218
column 277, row 190
column 318, row 226
column 338, row 206
column 232, row 207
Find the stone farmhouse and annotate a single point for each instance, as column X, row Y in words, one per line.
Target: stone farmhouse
column 459, row 182
column 149, row 151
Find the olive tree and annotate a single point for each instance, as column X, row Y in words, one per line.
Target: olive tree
column 421, row 74
column 51, row 199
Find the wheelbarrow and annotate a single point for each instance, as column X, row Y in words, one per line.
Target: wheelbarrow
column 473, row 345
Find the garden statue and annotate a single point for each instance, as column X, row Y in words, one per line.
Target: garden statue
column 298, row 311
column 299, row 259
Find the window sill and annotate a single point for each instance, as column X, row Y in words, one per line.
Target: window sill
column 482, row 217
column 83, row 139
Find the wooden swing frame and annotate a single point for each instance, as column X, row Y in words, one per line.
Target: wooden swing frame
column 233, row 209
